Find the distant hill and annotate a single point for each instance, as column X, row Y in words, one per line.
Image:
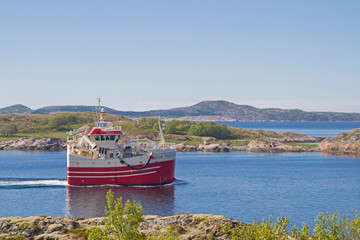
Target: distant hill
column 207, row 111
column 15, row 109
column 227, row 111
column 56, row 109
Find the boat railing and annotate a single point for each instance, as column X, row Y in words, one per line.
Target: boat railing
column 167, row 146
column 147, row 144
column 117, row 128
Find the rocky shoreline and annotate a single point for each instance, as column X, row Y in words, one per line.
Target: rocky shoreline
column 53, row 144
column 278, row 143
column 188, row 226
column 32, row 144
column 345, row 143
column 252, row 146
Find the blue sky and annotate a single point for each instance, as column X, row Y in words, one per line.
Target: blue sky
column 142, row 55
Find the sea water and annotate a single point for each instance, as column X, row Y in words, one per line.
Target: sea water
column 243, row 186
column 314, row 129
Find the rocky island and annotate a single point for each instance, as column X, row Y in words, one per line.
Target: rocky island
column 344, row 143
column 264, row 141
column 279, row 142
column 34, row 132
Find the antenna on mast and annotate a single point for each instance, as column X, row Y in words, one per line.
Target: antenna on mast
column 98, row 110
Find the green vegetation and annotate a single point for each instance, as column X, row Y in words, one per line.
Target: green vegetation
column 65, row 122
column 8, row 129
column 121, row 222
column 55, row 125
column 124, row 221
column 78, row 232
column 190, row 140
column 15, row 237
column 176, row 131
column 262, row 230
column 204, row 129
column 332, row 227
column 52, row 125
column 304, row 145
column 210, row 129
column 178, row 127
column 150, row 123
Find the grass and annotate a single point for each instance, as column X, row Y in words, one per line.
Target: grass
column 193, row 140
column 37, row 126
column 304, row 145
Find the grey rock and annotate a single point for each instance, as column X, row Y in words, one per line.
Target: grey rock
column 31, row 144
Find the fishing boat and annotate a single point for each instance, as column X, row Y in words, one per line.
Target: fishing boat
column 95, row 157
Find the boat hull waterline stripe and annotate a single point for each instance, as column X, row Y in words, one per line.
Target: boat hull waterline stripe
column 116, row 176
column 115, row 171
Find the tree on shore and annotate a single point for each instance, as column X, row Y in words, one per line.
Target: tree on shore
column 8, row 129
column 210, row 129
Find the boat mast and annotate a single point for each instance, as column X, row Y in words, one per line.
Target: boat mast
column 162, row 138
column 98, row 110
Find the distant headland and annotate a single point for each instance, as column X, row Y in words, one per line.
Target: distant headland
column 205, row 111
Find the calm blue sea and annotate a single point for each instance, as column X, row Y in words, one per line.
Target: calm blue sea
column 314, row 129
column 243, row 186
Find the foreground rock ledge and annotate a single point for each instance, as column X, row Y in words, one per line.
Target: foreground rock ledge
column 189, row 226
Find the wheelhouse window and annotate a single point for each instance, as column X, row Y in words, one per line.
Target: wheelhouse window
column 107, row 138
column 112, row 137
column 97, row 138
column 102, row 138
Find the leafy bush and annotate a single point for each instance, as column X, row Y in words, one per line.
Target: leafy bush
column 203, row 129
column 327, row 227
column 263, row 230
column 4, row 119
column 336, row 227
column 64, row 121
column 178, row 127
column 8, row 129
column 210, row 129
column 148, row 123
column 121, row 222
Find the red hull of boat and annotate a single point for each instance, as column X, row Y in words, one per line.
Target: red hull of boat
column 154, row 173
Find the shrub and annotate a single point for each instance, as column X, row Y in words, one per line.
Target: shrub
column 327, row 227
column 210, row 129
column 148, row 122
column 64, row 121
column 121, row 222
column 8, row 129
column 178, row 127
column 263, row 230
column 336, row 227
